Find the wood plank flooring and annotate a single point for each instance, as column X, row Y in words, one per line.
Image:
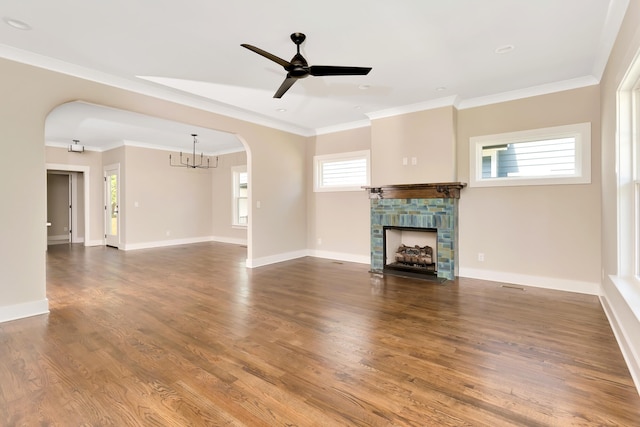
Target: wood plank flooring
column 187, row 336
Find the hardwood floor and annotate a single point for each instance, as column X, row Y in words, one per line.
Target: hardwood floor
column 188, row 336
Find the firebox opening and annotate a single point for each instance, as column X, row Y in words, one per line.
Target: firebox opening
column 411, row 250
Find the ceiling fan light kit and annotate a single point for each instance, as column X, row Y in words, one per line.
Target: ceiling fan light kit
column 298, row 68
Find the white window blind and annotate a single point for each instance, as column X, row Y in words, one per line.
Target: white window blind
column 558, row 155
column 341, row 172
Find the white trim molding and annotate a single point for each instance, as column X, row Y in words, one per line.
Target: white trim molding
column 86, row 170
column 164, row 243
column 621, row 304
column 341, row 256
column 554, row 283
column 273, row 259
column 26, row 309
column 231, row 240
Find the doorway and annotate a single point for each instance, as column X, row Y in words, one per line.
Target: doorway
column 112, row 205
column 67, row 201
column 59, row 215
column 77, row 189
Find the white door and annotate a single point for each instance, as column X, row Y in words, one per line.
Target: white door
column 112, row 205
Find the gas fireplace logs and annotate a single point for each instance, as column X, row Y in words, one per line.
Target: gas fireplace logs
column 414, row 255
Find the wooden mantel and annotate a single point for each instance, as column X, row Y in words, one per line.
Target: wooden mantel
column 438, row 190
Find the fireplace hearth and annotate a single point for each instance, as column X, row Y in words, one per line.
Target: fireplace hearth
column 415, row 208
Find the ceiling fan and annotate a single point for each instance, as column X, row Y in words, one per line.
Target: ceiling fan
column 298, row 68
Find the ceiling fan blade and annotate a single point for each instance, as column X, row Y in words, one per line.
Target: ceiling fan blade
column 267, row 55
column 286, row 84
column 330, row 70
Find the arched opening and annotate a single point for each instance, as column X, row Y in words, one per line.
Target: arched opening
column 158, row 204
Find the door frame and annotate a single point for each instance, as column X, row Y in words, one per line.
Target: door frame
column 106, row 169
column 86, row 171
column 70, row 207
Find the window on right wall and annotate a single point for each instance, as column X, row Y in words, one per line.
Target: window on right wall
column 555, row 155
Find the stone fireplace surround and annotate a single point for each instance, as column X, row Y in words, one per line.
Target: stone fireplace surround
column 425, row 206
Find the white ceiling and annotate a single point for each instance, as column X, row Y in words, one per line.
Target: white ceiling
column 424, row 53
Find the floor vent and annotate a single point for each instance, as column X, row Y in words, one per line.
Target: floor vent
column 519, row 288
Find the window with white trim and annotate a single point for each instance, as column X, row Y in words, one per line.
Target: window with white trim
column 555, row 155
column 628, row 174
column 240, row 193
column 341, row 172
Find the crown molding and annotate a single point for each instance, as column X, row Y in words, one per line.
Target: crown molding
column 144, row 88
column 528, row 92
column 173, row 95
column 343, row 127
column 412, row 108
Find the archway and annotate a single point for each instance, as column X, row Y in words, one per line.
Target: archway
column 161, row 206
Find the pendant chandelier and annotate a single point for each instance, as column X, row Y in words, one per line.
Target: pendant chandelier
column 191, row 162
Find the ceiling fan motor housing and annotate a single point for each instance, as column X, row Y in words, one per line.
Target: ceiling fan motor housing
column 298, row 67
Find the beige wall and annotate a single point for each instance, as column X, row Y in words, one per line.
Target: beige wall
column 222, row 199
column 29, row 94
column 547, row 235
column 428, row 136
column 339, row 224
column 163, row 203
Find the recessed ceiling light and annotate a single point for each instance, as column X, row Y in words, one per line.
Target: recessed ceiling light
column 364, row 87
column 357, row 107
column 281, row 110
column 20, row 25
column 504, row 49
column 440, row 88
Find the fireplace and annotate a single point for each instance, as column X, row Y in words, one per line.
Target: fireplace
column 417, row 208
column 410, row 250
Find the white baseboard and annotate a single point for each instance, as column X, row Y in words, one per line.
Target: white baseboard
column 164, row 243
column 94, row 243
column 233, row 241
column 341, row 256
column 630, row 357
column 59, row 237
column 536, row 281
column 27, row 309
column 272, row 259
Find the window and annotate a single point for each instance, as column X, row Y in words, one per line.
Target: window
column 628, row 174
column 341, row 172
column 557, row 155
column 240, row 196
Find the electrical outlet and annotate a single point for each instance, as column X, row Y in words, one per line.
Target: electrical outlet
column 319, row 241
column 480, row 256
